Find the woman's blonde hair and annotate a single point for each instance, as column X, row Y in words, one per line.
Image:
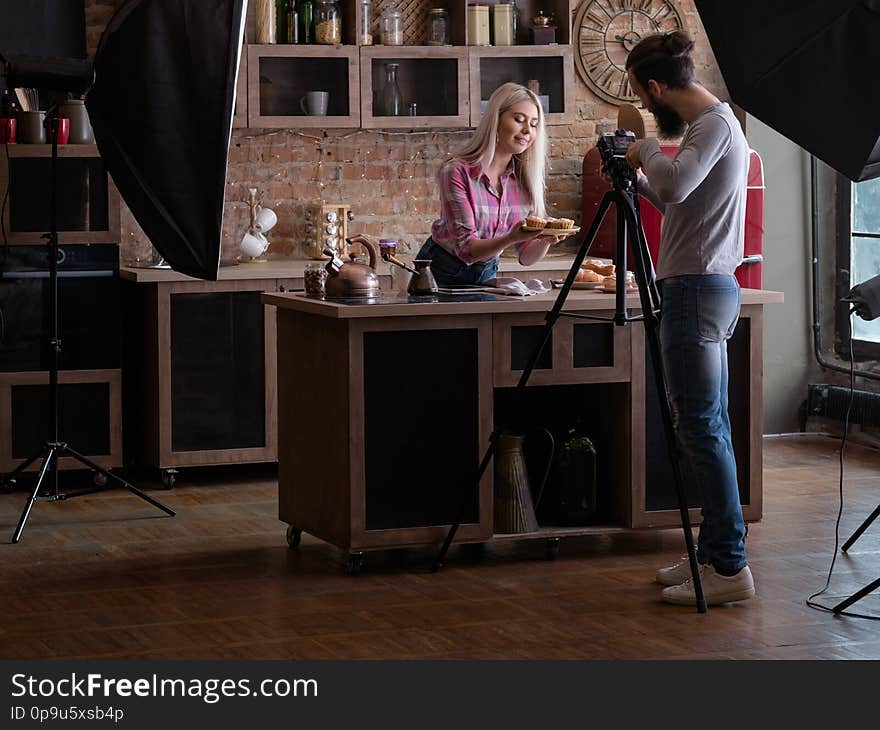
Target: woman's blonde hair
column 530, row 165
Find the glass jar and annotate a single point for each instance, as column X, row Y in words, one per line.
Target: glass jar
column 502, row 24
column 315, row 278
column 478, row 24
column 392, row 99
column 365, row 29
column 328, row 23
column 392, row 26
column 438, row 27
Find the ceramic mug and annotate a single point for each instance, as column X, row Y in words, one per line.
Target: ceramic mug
column 31, row 128
column 314, row 103
column 265, row 220
column 254, row 244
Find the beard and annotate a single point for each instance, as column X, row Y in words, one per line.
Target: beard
column 669, row 124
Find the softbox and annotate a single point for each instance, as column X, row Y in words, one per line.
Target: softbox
column 806, row 68
column 161, row 109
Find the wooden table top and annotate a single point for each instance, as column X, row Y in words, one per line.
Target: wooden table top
column 388, row 306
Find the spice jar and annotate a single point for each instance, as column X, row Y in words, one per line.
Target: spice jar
column 478, row 24
column 328, row 23
column 438, row 27
column 392, row 26
column 365, row 29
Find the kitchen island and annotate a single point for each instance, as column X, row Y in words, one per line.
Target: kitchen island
column 385, row 409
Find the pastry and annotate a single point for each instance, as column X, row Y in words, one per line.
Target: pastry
column 562, row 223
column 599, row 267
column 588, row 276
column 534, row 221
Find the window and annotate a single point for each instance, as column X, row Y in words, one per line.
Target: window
column 859, row 254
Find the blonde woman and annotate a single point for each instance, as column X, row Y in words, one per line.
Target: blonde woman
column 487, row 189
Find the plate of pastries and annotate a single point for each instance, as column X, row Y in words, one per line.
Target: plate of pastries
column 602, row 275
column 551, row 226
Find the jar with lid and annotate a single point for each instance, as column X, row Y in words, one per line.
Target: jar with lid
column 478, row 24
column 365, row 29
column 328, row 23
column 438, row 27
column 392, row 25
column 502, row 24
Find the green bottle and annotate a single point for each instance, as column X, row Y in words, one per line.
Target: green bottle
column 307, row 21
column 281, row 8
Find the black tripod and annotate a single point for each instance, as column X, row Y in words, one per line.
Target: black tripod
column 629, row 230
column 871, row 587
column 53, row 448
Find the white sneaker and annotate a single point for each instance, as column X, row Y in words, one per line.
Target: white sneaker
column 717, row 588
column 676, row 574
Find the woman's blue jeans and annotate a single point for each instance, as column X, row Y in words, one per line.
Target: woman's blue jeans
column 449, row 270
column 698, row 316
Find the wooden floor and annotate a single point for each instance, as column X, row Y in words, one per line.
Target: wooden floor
column 107, row 576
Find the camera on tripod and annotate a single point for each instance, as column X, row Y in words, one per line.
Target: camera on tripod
column 612, row 148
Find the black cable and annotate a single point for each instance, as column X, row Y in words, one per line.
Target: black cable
column 852, row 379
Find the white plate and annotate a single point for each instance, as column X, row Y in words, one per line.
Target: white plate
column 557, row 283
column 552, row 231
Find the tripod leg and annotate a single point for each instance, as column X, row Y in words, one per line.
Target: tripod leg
column 110, row 475
column 870, row 588
column 584, row 247
column 652, row 332
column 51, row 455
column 864, row 526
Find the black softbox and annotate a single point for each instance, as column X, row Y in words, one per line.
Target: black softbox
column 161, row 109
column 806, row 68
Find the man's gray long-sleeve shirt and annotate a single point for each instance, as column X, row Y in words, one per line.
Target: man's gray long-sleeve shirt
column 702, row 195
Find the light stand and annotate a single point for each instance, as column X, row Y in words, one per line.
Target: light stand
column 865, row 300
column 54, row 448
column 629, row 230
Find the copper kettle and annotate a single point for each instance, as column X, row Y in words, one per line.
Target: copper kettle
column 349, row 280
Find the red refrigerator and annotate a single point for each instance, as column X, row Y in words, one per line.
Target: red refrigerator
column 750, row 273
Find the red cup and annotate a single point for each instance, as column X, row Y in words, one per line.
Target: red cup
column 7, row 131
column 63, row 130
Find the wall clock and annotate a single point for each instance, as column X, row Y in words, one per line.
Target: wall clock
column 606, row 31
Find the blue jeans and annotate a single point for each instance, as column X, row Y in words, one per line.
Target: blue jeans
column 450, row 270
column 698, row 316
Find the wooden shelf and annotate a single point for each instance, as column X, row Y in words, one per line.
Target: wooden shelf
column 88, row 202
column 434, row 77
column 280, row 75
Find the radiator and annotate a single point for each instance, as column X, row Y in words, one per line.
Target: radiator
column 831, row 401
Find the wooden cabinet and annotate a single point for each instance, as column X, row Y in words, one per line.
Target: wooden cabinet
column 199, row 373
column 88, row 202
column 446, row 83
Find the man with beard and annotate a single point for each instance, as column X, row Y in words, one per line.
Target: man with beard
column 702, row 194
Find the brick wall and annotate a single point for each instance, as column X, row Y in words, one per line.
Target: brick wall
column 387, row 177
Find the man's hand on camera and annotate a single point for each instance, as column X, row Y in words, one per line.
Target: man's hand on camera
column 632, row 155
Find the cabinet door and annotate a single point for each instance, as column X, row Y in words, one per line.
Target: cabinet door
column 420, row 422
column 217, row 373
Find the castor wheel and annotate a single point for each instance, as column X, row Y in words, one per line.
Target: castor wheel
column 99, row 479
column 551, row 548
column 169, row 476
column 294, row 537
column 355, row 564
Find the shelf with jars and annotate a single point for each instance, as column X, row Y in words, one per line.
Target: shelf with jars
column 303, row 86
column 414, row 87
column 546, row 70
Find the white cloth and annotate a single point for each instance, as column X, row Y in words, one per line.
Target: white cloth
column 515, row 287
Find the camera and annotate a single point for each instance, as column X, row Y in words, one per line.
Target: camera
column 612, row 148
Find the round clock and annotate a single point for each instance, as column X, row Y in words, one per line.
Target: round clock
column 607, row 30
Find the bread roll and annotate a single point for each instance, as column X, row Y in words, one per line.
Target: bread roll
column 588, row 276
column 598, row 266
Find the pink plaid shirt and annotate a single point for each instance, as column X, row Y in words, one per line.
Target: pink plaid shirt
column 470, row 208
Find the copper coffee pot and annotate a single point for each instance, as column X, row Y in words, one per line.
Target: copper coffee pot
column 347, row 280
column 422, row 280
